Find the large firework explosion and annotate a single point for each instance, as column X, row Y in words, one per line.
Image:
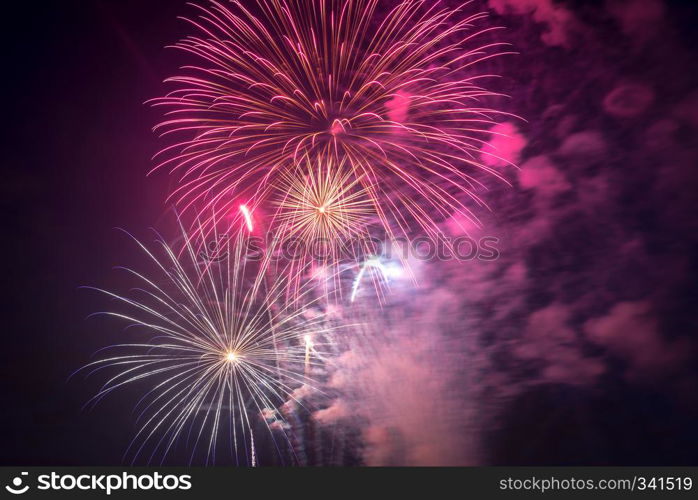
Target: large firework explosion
column 222, row 345
column 317, row 122
column 392, row 95
column 561, row 331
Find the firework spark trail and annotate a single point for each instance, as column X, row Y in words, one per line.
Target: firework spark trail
column 395, row 96
column 221, row 347
column 385, row 273
column 248, row 217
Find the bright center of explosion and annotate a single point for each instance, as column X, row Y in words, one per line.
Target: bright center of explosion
column 231, row 356
column 336, row 128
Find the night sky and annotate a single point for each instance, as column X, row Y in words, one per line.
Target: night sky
column 577, row 346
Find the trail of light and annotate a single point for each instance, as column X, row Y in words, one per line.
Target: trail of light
column 308, row 350
column 388, row 271
column 248, row 217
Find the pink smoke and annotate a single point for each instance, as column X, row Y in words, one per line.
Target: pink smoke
column 505, row 146
column 398, row 107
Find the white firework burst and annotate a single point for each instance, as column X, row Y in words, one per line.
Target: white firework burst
column 224, row 347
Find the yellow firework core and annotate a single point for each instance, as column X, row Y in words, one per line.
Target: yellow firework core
column 231, row 356
column 323, row 201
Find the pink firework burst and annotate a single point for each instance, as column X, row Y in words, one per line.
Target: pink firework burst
column 393, row 94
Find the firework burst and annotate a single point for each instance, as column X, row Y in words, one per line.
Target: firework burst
column 222, row 350
column 393, row 95
column 322, row 204
column 321, row 218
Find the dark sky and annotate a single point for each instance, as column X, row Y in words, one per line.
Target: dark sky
column 78, row 142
